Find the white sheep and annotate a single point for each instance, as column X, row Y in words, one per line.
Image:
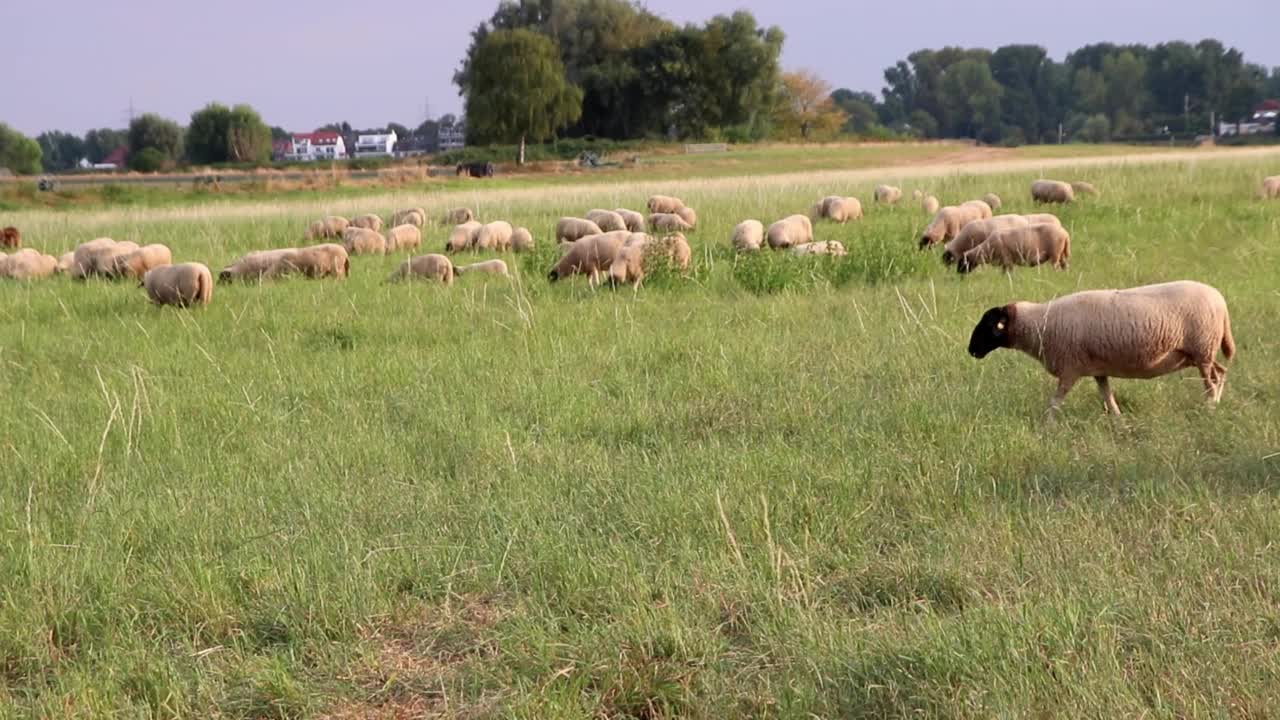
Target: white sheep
column 829, row 247
column 571, row 229
column 492, row 267
column 27, row 264
column 993, row 201
column 361, row 241
column 1081, row 187
column 1143, row 332
column 948, row 222
column 368, row 221
column 458, row 216
column 494, row 236
column 607, row 220
column 462, row 237
column 1032, row 245
column 983, row 209
column 668, row 222
column 930, row 205
column 790, row 231
column 425, row 267
column 888, row 194
column 329, row 227
column 137, row 263
column 664, row 204
column 404, row 237
column 1052, row 191
column 413, row 216
column 183, row 285
column 748, row 236
column 633, row 219
column 1271, row 187
column 838, row 209
column 589, row 256
column 521, row 240
column 975, row 233
column 689, row 215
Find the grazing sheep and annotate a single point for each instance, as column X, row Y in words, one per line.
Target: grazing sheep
column 494, row 236
column 137, row 263
column 183, row 285
column 1271, row 187
column 677, row 246
column 571, row 229
column 633, row 219
column 829, row 247
column 1032, row 245
column 930, row 205
column 608, row 220
column 97, row 257
column 27, row 264
column 668, row 222
column 917, row 195
column 1143, row 332
column 888, row 194
column 589, row 256
column 425, row 267
column 368, row 222
column 65, row 262
column 462, row 237
column 521, row 240
column 413, row 216
column 330, row 227
column 320, row 261
column 981, row 206
column 634, row 259
column 260, row 265
column 404, row 237
column 1084, row 188
column 839, row 209
column 10, row 237
column 977, row 232
column 748, row 236
column 1042, row 218
column 993, row 201
column 790, row 231
column 458, row 216
column 689, row 215
column 664, row 204
column 947, row 223
column 493, row 267
column 1052, row 191
column 360, row 241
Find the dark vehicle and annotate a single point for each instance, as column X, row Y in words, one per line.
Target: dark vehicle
column 478, row 170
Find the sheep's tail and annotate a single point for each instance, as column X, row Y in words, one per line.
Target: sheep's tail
column 1228, row 342
column 205, row 289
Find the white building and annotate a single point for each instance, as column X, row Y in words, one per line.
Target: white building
column 309, row 147
column 381, row 145
column 452, row 137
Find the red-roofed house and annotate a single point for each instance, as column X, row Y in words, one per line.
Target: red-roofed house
column 323, row 145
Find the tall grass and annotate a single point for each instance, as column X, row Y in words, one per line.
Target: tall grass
column 778, row 488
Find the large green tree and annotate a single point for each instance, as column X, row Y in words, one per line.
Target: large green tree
column 18, row 153
column 219, row 134
column 100, row 143
column 971, row 100
column 517, row 90
column 60, row 150
column 152, row 132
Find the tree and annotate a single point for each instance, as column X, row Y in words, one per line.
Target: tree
column 100, row 143
column 518, row 90
column 1125, row 77
column 150, row 131
column 207, row 134
column 860, row 107
column 279, row 133
column 971, row 97
column 805, row 107
column 19, row 153
column 248, row 137
column 60, row 150
column 400, row 130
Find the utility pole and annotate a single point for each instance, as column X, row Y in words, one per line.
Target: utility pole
column 1186, row 111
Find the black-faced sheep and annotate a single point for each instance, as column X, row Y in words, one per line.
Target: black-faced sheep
column 1030, row 246
column 589, row 256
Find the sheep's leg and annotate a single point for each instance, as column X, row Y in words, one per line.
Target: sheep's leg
column 1108, row 397
column 1065, row 383
column 1212, row 382
column 1220, row 372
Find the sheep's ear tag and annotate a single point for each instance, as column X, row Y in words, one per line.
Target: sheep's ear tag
column 1000, row 325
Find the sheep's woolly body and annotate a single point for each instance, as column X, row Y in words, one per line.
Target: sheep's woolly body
column 404, row 237
column 463, row 236
column 425, row 267
column 66, row 261
column 492, row 267
column 183, row 285
column 360, row 241
column 521, row 240
column 829, row 247
column 494, row 236
column 607, row 220
column 689, row 215
column 137, row 263
column 888, row 194
column 1271, row 187
column 369, row 222
column 983, row 209
column 413, row 216
column 838, row 209
column 948, row 222
column 1081, row 187
column 330, row 227
column 1032, row 245
column 27, row 264
column 633, row 219
column 321, row 261
column 748, row 236
column 975, row 233
column 1052, row 191
column 930, row 205
column 1043, row 218
column 458, row 216
column 790, row 231
column 993, row 201
column 261, row 265
column 638, row 253
column 664, row 204
column 571, row 229
column 589, row 256
column 98, row 257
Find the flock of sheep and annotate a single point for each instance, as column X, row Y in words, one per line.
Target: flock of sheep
column 1141, row 332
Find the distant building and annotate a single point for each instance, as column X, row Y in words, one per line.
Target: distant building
column 379, row 145
column 452, row 137
column 310, row 147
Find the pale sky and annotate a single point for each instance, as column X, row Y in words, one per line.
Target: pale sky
column 78, row 64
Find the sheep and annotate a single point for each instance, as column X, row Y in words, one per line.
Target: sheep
column 319, row 261
column 330, row 227
column 830, row 247
column 607, row 220
column 458, row 216
column 493, row 267
column 360, row 241
column 1032, row 245
column 917, row 195
column 65, row 262
column 521, row 240
column 976, row 233
column 572, row 229
column 1042, row 218
column 947, row 223
column 664, row 204
column 1271, row 187
column 425, row 267
column 789, row 231
column 680, row 252
column 494, row 236
column 183, row 285
column 368, row 222
column 668, row 222
column 1140, row 333
column 27, row 264
column 993, row 201
column 137, row 263
column 1084, row 188
column 589, row 256
column 260, row 265
column 633, row 219
column 1052, row 191
column 983, row 209
column 838, row 209
column 97, row 257
column 634, row 259
column 462, row 237
column 404, row 237
column 10, row 237
column 413, row 216
column 888, row 195
column 930, row 205
column 748, row 236
column 689, row 215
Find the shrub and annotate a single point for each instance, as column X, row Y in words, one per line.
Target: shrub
column 148, row 160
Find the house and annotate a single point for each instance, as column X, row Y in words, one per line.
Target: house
column 452, row 137
column 376, row 145
column 324, row 145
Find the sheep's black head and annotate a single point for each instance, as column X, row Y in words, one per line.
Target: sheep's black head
column 992, row 332
column 224, row 277
column 925, row 242
column 554, row 275
column 948, row 258
column 964, row 266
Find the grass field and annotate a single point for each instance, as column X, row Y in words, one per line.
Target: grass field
column 777, row 488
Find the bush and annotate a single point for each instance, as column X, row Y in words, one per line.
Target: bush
column 1096, row 129
column 148, row 160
